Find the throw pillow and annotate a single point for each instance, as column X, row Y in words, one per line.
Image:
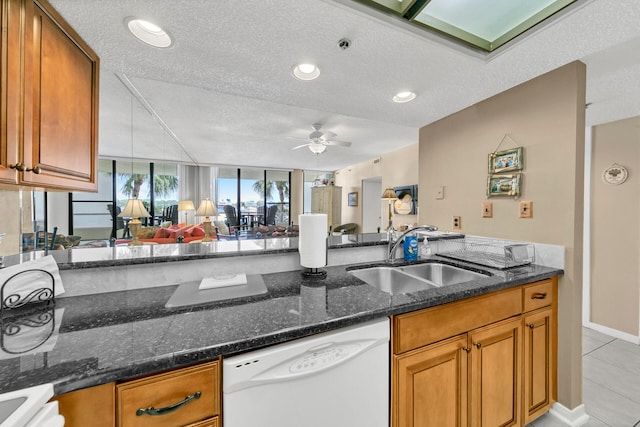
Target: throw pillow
column 161, row 233
column 147, row 232
column 221, row 226
column 197, row 231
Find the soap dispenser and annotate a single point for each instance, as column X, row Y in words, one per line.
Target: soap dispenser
column 425, row 248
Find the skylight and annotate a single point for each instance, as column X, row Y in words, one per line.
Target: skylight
column 483, row 24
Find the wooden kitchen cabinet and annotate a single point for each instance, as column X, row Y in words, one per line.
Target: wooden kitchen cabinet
column 118, row 405
column 484, row 361
column 50, row 112
column 495, row 374
column 540, row 344
column 431, row 385
column 328, row 200
column 94, row 406
column 188, row 396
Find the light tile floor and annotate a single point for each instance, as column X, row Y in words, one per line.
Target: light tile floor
column 610, row 384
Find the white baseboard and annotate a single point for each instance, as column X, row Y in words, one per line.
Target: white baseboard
column 571, row 417
column 613, row 332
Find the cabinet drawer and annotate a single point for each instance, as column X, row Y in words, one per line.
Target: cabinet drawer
column 537, row 295
column 168, row 390
column 413, row 330
column 213, row 422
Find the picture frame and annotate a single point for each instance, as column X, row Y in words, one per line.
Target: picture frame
column 506, row 185
column 352, row 199
column 506, row 160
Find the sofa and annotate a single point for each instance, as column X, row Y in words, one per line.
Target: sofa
column 169, row 233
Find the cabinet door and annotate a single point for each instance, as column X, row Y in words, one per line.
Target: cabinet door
column 60, row 141
column 94, row 406
column 10, row 88
column 430, row 386
column 494, row 373
column 539, row 363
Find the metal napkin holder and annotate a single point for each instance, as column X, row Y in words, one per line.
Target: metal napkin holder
column 22, row 313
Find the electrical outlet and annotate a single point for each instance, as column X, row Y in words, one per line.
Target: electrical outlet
column 487, row 210
column 526, row 209
column 457, row 223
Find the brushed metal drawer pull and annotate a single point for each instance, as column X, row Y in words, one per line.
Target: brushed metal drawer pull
column 36, row 169
column 539, row 295
column 169, row 409
column 18, row 166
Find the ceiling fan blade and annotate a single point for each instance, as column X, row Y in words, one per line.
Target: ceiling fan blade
column 296, row 137
column 300, row 146
column 339, row 143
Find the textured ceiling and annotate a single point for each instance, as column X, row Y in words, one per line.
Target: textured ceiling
column 223, row 93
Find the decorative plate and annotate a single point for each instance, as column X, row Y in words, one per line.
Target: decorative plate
column 615, row 174
column 404, row 205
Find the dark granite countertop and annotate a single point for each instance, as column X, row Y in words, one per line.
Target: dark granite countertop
column 120, row 255
column 116, row 336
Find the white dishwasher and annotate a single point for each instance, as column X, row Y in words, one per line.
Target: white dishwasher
column 338, row 379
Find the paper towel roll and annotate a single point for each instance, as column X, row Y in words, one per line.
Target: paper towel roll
column 312, row 242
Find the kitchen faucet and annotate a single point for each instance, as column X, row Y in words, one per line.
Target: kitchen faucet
column 394, row 245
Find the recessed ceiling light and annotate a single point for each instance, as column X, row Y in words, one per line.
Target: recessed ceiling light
column 148, row 32
column 401, row 97
column 305, row 72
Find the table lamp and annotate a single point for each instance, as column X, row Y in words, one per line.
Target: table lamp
column 186, row 205
column 206, row 209
column 389, row 195
column 134, row 210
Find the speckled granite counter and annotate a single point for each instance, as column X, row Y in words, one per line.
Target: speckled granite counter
column 121, row 335
column 121, row 255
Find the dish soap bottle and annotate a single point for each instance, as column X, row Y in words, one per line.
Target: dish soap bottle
column 425, row 249
column 410, row 248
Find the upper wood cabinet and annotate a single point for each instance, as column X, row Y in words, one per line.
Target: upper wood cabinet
column 327, row 200
column 50, row 116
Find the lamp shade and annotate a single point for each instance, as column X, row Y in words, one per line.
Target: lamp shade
column 389, row 194
column 134, row 209
column 186, row 205
column 207, row 208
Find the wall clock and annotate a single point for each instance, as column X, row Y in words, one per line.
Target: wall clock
column 615, row 174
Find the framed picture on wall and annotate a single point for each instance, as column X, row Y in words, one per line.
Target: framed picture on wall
column 506, row 161
column 509, row 185
column 352, row 199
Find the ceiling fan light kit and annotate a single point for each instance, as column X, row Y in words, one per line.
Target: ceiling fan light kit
column 319, row 141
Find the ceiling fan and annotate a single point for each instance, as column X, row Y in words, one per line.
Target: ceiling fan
column 319, row 141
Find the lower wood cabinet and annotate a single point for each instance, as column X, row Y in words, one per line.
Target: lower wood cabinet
column 184, row 397
column 189, row 396
column 499, row 372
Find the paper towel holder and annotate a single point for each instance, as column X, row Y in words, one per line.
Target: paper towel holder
column 317, row 273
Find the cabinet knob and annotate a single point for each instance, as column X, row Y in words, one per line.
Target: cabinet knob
column 539, row 295
column 36, row 169
column 478, row 345
column 18, row 166
column 467, row 349
column 531, row 326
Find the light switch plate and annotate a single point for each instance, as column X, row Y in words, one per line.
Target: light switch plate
column 526, row 209
column 487, row 210
column 440, row 193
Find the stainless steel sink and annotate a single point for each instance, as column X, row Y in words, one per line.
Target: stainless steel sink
column 413, row 278
column 441, row 274
column 391, row 280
